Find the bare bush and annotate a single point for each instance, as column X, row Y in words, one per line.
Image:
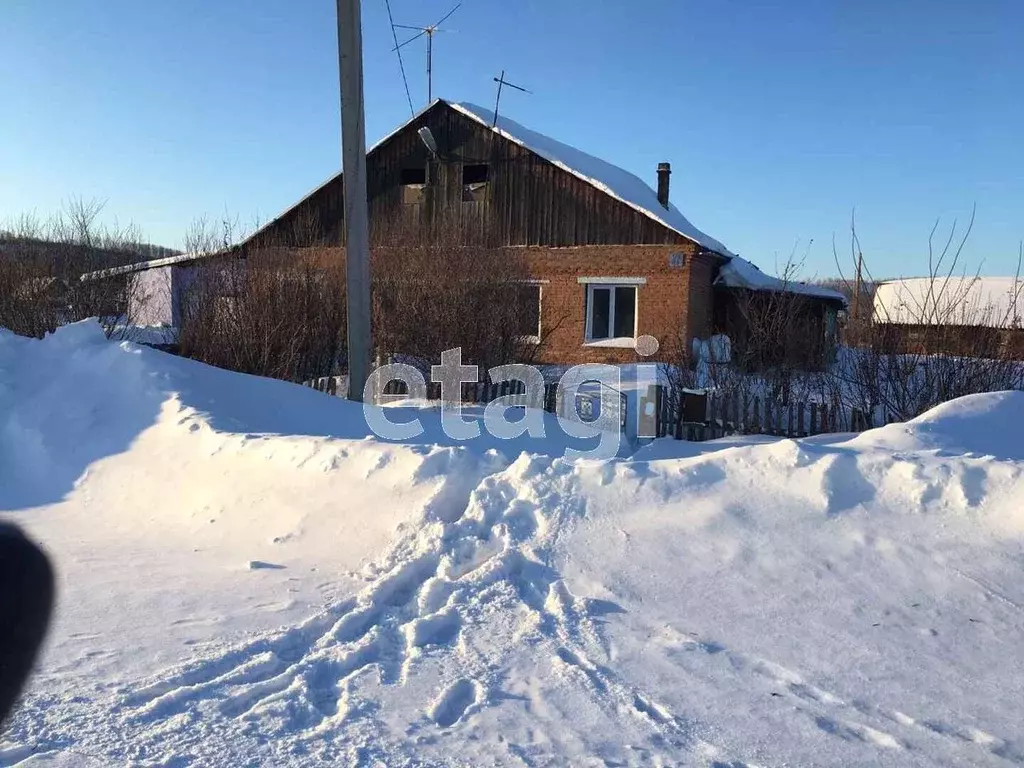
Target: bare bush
column 29, row 295
column 270, row 314
column 943, row 344
column 42, row 264
column 206, row 238
column 694, row 365
column 281, row 312
column 431, row 294
column 783, row 340
column 948, row 340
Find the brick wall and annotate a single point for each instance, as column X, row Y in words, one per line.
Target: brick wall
column 674, row 303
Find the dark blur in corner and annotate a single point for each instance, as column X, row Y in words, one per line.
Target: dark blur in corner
column 26, row 602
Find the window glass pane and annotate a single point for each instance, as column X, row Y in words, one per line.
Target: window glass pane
column 599, row 312
column 625, row 311
column 528, row 310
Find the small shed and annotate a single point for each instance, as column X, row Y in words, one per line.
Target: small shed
column 969, row 316
column 157, row 288
column 771, row 320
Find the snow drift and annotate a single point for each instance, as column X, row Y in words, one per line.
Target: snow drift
column 249, row 579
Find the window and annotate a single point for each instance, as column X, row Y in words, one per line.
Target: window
column 611, row 312
column 414, row 181
column 474, row 183
column 414, row 176
column 527, row 311
column 474, row 174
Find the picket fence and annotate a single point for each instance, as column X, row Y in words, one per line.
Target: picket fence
column 481, row 393
column 329, row 385
column 699, row 416
column 473, row 393
column 694, row 416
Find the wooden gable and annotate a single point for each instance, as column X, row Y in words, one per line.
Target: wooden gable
column 489, row 189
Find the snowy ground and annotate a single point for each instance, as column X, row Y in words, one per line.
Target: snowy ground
column 247, row 579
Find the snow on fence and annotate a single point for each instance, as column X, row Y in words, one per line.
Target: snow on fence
column 480, row 393
column 698, row 416
column 473, row 393
column 695, row 416
column 336, row 386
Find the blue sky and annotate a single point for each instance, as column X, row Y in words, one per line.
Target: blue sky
column 779, row 118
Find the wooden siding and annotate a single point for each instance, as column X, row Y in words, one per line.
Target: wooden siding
column 806, row 345
column 528, row 201
column 961, row 341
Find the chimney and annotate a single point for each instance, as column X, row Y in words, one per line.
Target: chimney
column 664, row 171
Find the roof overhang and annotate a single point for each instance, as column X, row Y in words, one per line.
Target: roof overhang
column 142, row 266
column 740, row 274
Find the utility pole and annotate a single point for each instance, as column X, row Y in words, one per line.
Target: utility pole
column 353, row 155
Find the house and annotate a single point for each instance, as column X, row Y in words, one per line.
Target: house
column 610, row 257
column 969, row 316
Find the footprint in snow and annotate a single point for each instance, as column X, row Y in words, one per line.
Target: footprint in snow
column 454, row 702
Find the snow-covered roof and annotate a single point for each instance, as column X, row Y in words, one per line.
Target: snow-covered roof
column 615, row 182
column 993, row 302
column 610, row 179
column 632, row 190
column 141, row 266
column 740, row 273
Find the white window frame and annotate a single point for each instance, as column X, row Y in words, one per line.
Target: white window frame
column 621, row 281
column 540, row 310
column 610, row 284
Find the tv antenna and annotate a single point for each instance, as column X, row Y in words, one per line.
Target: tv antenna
column 502, row 81
column 429, row 32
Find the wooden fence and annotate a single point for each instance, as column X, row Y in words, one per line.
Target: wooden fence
column 694, row 415
column 329, row 385
column 708, row 415
column 481, row 393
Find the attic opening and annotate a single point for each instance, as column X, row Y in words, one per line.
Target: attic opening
column 474, row 174
column 414, row 182
column 474, row 182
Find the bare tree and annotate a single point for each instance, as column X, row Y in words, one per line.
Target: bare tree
column 941, row 344
column 433, row 293
column 276, row 312
column 270, row 314
column 781, row 337
column 280, row 311
column 42, row 264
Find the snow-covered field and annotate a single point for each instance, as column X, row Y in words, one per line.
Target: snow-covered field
column 247, row 579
